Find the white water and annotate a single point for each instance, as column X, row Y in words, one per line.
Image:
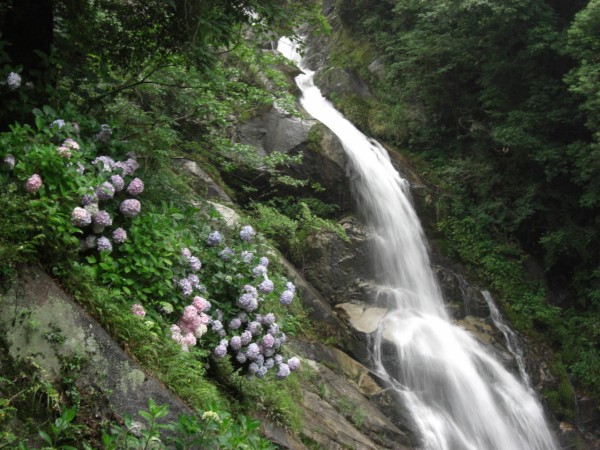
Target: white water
column 510, row 337
column 459, row 396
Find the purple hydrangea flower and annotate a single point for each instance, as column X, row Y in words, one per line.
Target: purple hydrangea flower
column 235, row 323
column 104, row 244
column 282, row 338
column 13, row 80
column 269, row 352
column 105, row 191
column 266, row 287
column 81, row 217
column 220, row 351
column 80, row 167
column 247, row 302
column 186, row 286
column 119, row 236
column 268, row 319
column 268, row 341
column 226, row 254
column 290, row 286
column 118, row 182
column 269, row 363
column 264, row 261
column 195, row 263
column 130, row 207
column 241, row 358
column 33, row 184
column 186, row 253
column 247, row 233
column 261, row 372
column 193, row 279
column 286, row 297
column 9, row 162
column 254, row 328
column 217, row 325
column 128, row 167
column 236, row 342
column 106, row 163
column 246, row 337
column 284, row 371
column 278, row 359
column 214, row 239
column 136, row 187
column 102, row 218
column 259, row 270
column 253, row 351
column 273, row 329
column 247, row 256
column 252, row 368
column 293, row 363
column 88, row 199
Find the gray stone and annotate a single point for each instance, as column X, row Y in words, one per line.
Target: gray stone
column 37, row 308
column 201, row 182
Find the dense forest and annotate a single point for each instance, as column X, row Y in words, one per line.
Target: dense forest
column 499, row 102
column 495, row 103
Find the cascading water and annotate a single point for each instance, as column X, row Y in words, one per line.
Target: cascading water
column 459, row 396
column 512, row 342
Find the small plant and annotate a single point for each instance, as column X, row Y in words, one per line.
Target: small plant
column 62, row 430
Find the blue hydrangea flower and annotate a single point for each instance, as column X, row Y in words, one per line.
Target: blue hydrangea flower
column 220, row 351
column 259, row 270
column 268, row 319
column 284, row 371
column 195, row 264
column 254, row 328
column 278, row 359
column 293, row 363
column 186, row 287
column 214, row 239
column 268, row 341
column 264, row 261
column 269, row 363
column 246, row 337
column 266, row 287
column 247, row 256
column 247, row 233
column 253, row 351
column 290, row 286
column 261, row 372
column 226, row 254
column 286, row 297
column 235, row 323
column 236, row 342
column 252, row 368
column 241, row 358
column 217, row 325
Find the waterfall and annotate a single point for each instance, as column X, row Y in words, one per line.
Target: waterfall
column 459, row 396
column 510, row 337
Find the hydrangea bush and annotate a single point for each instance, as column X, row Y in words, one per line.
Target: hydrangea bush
column 236, row 321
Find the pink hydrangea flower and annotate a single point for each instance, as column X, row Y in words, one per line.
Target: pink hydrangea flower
column 70, row 143
column 64, row 152
column 9, row 162
column 80, row 217
column 33, row 184
column 138, row 310
column 117, row 182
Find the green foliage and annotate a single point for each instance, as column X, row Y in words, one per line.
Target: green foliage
column 291, row 233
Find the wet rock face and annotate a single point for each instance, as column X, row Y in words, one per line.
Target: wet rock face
column 323, row 157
